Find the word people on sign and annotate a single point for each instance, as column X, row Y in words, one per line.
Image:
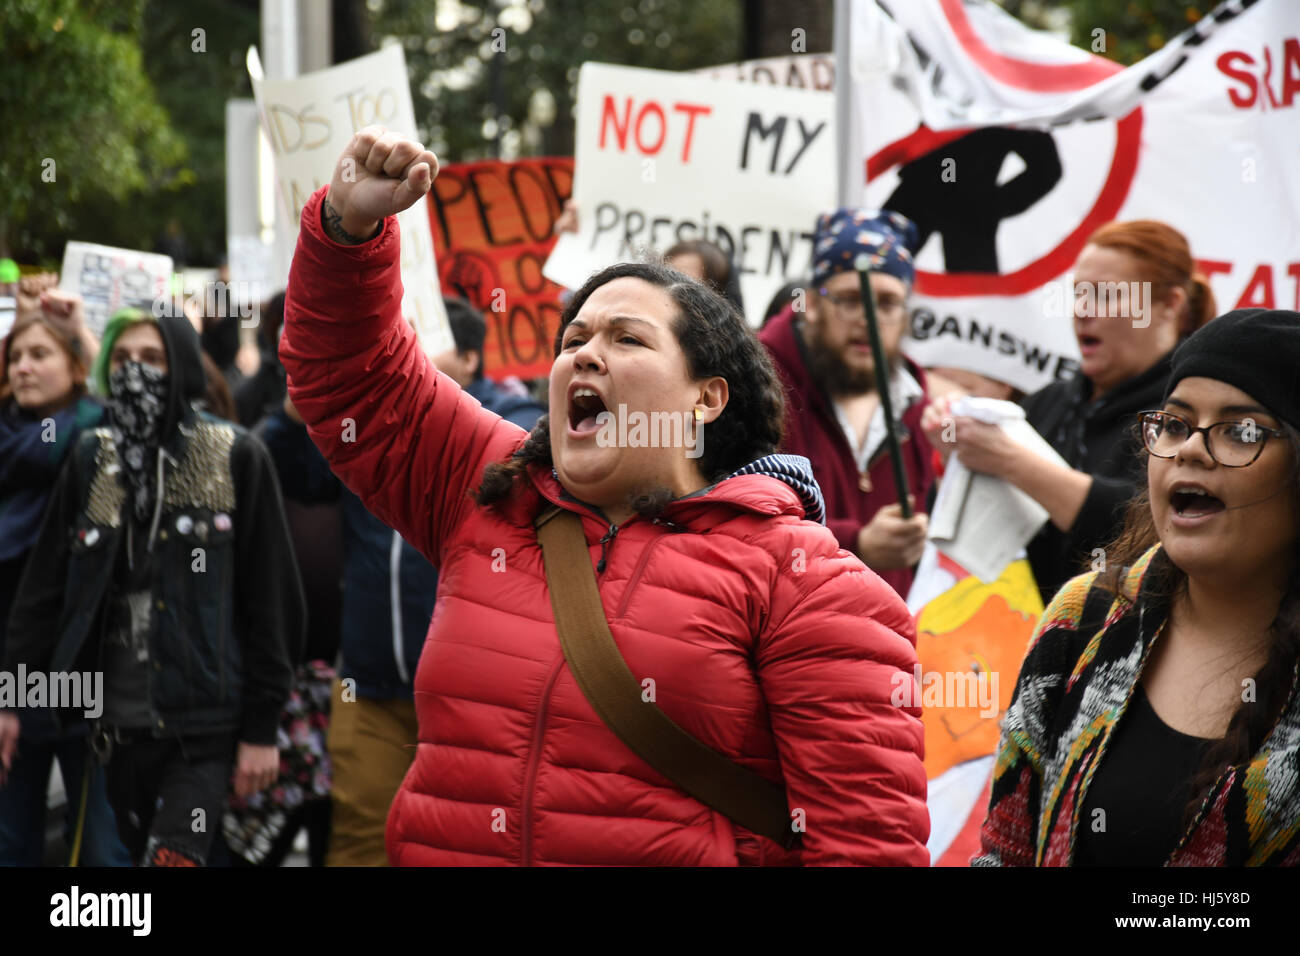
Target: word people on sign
column 493, row 230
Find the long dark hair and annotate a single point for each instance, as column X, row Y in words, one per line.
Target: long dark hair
column 1164, row 581
column 716, row 341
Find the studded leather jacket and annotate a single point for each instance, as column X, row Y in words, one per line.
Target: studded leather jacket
column 227, row 608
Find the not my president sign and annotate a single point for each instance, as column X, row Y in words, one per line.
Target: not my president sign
column 664, row 157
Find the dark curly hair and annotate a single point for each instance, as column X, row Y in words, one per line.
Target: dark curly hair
column 716, row 341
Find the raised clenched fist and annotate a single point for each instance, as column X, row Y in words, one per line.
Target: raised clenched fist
column 379, row 174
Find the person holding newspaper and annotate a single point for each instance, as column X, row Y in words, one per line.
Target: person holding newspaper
column 731, row 613
column 1137, row 294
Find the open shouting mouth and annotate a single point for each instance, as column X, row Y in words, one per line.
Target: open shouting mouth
column 1193, row 503
column 585, row 406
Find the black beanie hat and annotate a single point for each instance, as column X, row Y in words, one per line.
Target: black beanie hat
column 1257, row 350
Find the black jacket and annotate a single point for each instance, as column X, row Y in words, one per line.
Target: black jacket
column 228, row 606
column 381, row 643
column 1100, row 438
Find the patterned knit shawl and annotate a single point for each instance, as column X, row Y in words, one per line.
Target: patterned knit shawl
column 1074, row 687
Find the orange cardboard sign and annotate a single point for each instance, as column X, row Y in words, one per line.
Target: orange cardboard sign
column 492, row 225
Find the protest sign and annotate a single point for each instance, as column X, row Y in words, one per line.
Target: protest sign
column 807, row 71
column 108, row 279
column 1008, row 148
column 249, row 250
column 8, row 312
column 664, row 157
column 309, row 119
column 971, row 637
column 492, row 231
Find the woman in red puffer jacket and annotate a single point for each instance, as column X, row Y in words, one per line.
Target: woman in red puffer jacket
column 763, row 639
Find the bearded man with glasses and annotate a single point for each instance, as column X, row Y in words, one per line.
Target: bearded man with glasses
column 822, row 351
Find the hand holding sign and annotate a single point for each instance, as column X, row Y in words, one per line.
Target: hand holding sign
column 378, row 175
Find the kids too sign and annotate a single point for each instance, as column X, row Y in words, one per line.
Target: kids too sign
column 309, row 119
column 664, row 157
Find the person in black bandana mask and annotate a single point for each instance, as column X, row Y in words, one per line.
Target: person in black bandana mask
column 138, row 400
column 165, row 562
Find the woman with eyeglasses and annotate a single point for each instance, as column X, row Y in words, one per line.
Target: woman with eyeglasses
column 1137, row 294
column 1156, row 720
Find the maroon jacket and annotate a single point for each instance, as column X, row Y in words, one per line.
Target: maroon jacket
column 812, row 430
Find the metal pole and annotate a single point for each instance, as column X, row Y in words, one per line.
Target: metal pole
column 280, row 61
column 892, row 444
column 845, row 162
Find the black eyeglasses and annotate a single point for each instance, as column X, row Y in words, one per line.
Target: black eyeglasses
column 1231, row 444
column 889, row 307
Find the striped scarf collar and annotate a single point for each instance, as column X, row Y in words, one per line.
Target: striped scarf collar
column 794, row 470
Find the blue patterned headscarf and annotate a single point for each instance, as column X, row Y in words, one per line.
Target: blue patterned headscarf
column 887, row 237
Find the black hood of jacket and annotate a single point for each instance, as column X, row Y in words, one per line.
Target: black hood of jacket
column 185, row 372
column 220, row 339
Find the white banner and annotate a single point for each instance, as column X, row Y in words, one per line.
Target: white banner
column 108, row 279
column 805, row 71
column 249, row 252
column 664, row 157
column 309, row 119
column 1203, row 135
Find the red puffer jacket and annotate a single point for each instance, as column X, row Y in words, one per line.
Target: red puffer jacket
column 763, row 638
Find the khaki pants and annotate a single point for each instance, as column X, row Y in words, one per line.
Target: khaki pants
column 371, row 745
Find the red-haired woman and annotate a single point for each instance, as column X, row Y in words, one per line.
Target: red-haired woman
column 1137, row 295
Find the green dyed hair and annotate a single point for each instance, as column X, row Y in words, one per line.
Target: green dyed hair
column 120, row 321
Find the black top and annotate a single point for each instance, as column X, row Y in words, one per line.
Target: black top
column 261, row 393
column 1100, row 438
column 1133, row 812
column 124, row 653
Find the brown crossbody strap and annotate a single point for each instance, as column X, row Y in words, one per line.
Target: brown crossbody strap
column 616, row 695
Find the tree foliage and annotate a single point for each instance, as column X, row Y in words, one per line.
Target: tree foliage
column 193, row 86
column 132, row 115
column 1131, row 30
column 485, row 67
column 83, row 123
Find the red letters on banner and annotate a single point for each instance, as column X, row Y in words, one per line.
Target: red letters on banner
column 1260, row 290
column 648, row 137
column 1258, row 75
column 492, row 226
